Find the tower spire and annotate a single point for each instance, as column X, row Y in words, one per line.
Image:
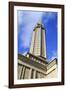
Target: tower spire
column 40, row 22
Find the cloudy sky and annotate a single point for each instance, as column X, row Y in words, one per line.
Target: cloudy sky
column 27, row 20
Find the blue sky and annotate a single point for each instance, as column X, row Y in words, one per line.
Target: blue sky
column 27, row 20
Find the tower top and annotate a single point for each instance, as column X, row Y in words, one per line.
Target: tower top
column 39, row 24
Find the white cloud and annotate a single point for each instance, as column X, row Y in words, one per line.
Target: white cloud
column 20, row 19
column 47, row 16
column 24, row 53
column 27, row 21
column 54, row 55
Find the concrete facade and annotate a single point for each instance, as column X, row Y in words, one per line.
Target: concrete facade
column 32, row 69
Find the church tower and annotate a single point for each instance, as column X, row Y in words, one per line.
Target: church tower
column 38, row 43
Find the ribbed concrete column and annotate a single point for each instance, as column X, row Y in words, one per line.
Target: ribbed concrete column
column 30, row 73
column 34, row 74
column 23, row 72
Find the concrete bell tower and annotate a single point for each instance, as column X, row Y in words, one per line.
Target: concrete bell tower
column 38, row 43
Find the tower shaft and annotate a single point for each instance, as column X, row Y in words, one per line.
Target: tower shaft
column 38, row 43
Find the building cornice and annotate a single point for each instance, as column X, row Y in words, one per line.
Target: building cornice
column 45, row 68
